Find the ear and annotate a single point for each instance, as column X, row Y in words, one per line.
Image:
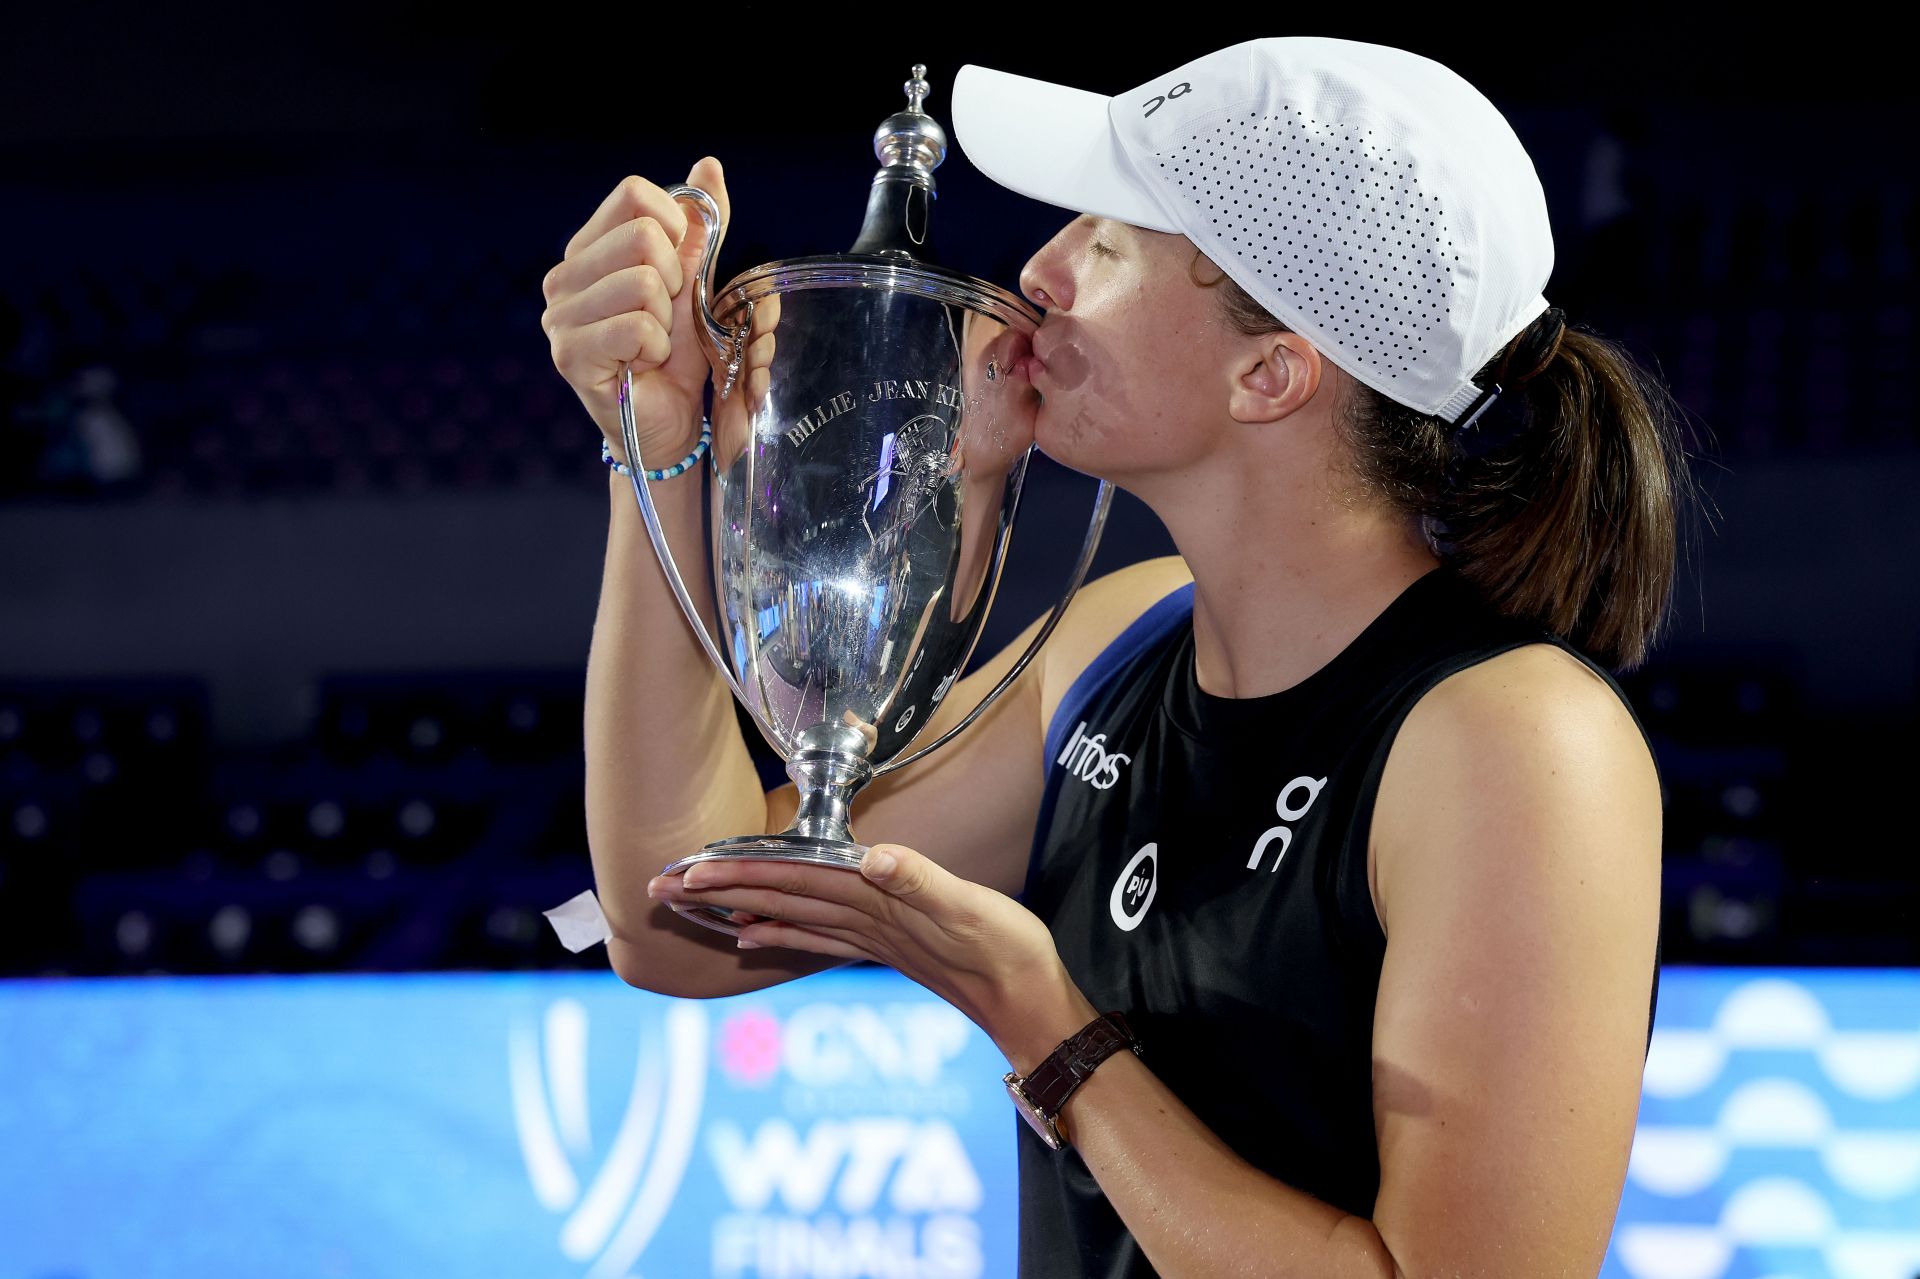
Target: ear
column 1274, row 376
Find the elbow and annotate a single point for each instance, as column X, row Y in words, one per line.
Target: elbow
column 1362, row 1250
column 627, row 966
column 631, row 964
column 644, row 971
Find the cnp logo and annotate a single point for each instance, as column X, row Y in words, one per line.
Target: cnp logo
column 1133, row 891
column 834, row 1045
column 612, row 1219
column 829, row 1045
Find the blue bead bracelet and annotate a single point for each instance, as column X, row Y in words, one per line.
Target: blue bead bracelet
column 684, row 465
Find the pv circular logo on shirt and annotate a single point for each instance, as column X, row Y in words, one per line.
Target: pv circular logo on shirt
column 1133, row 891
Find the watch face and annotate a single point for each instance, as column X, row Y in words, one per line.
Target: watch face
column 1041, row 1125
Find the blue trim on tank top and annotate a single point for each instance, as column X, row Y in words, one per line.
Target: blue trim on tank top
column 1152, row 626
column 1148, row 629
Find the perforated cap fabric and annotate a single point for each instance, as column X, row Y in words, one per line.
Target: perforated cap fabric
column 1369, row 198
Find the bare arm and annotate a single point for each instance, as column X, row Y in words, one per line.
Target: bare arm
column 667, row 770
column 1519, row 878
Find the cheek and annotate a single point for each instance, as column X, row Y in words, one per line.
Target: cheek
column 1114, row 423
column 1096, row 378
column 1124, row 393
column 1121, row 399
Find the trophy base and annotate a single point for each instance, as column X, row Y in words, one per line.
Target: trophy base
column 812, row 849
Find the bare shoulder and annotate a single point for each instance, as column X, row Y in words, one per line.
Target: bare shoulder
column 1530, row 743
column 1530, row 690
column 1101, row 610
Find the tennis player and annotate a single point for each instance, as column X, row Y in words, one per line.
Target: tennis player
column 1309, row 880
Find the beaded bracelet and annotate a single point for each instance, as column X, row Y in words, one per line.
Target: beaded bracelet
column 678, row 468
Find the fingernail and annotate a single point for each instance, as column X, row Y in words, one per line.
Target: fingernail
column 744, row 944
column 694, row 877
column 879, row 863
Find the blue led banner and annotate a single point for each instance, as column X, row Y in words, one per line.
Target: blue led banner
column 534, row 1125
column 847, row 1126
column 1779, row 1130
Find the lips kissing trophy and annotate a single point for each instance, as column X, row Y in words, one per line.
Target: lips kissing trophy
column 866, row 465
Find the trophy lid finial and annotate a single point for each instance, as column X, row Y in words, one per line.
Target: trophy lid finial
column 910, row 144
column 911, row 138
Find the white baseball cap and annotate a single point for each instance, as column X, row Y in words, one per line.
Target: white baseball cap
column 1369, row 198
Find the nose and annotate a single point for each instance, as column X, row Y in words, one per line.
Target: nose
column 1030, row 285
column 1045, row 279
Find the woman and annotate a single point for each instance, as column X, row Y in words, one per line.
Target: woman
column 1341, row 808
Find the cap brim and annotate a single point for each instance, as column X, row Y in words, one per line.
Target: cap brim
column 1050, row 143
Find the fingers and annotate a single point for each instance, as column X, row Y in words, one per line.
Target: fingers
column 758, row 371
column 770, row 903
column 900, row 872
column 709, row 176
column 821, row 941
column 803, row 878
column 766, row 316
column 777, row 889
column 635, row 197
column 640, row 242
column 628, row 290
column 583, row 355
column 760, row 352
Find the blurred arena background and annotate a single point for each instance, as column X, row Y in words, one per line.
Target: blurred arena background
column 301, row 533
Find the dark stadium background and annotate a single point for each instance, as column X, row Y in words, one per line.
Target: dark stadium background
column 301, row 534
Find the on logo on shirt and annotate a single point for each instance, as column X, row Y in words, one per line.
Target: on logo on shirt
column 1292, row 808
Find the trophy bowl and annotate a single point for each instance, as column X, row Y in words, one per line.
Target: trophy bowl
column 866, row 465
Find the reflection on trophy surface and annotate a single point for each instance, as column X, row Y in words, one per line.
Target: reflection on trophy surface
column 867, row 459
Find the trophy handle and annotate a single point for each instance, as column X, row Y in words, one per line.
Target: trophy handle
column 721, row 346
column 1102, row 499
column 642, row 490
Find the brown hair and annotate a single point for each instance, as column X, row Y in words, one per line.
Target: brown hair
column 1574, row 521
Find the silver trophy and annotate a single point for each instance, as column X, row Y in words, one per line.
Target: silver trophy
column 865, row 476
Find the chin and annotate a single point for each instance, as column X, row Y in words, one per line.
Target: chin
column 1081, row 450
column 1068, row 422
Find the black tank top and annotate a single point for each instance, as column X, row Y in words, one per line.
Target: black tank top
column 1202, row 863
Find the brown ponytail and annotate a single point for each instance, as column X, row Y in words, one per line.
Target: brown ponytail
column 1570, row 518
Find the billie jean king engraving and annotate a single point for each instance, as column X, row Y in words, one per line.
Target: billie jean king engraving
column 907, row 388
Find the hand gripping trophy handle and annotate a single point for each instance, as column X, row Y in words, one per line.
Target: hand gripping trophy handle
column 833, row 596
column 713, row 338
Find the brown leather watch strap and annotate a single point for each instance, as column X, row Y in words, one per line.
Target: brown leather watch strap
column 1054, row 1079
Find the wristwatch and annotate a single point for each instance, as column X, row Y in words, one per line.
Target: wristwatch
column 1042, row 1093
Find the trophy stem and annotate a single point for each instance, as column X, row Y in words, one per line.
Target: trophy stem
column 827, row 781
column 820, row 835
